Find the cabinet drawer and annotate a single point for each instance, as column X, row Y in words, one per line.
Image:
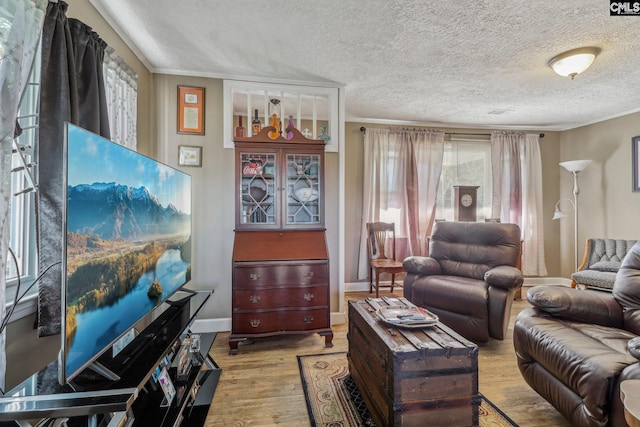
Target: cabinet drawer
column 252, row 275
column 261, row 298
column 276, row 321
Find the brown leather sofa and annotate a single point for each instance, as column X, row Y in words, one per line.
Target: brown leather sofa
column 572, row 345
column 469, row 278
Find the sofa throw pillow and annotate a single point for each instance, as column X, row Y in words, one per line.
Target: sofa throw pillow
column 613, row 266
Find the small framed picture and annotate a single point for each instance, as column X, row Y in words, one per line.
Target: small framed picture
column 189, row 155
column 635, row 156
column 191, row 110
column 167, row 387
column 184, row 364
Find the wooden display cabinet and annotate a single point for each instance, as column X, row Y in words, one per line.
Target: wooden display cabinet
column 280, row 258
column 279, row 183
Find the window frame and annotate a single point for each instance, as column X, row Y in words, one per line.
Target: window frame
column 23, row 221
column 486, row 187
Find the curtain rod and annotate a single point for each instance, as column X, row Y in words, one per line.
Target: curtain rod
column 363, row 129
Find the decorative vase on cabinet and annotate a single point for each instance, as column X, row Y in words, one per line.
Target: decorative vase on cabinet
column 280, row 257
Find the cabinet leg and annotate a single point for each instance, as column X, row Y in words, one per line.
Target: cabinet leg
column 233, row 347
column 328, row 338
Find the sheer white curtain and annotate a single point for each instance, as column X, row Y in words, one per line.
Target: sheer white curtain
column 517, row 193
column 20, row 29
column 121, row 90
column 533, row 263
column 507, row 187
column 401, row 174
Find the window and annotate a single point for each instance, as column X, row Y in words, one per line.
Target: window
column 121, row 93
column 466, row 162
column 314, row 109
column 22, row 228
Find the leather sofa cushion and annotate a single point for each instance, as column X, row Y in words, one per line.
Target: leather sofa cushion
column 452, row 293
column 421, row 265
column 504, row 276
column 471, row 249
column 573, row 304
column 627, row 289
column 586, row 358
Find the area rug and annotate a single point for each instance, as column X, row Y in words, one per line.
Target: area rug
column 334, row 400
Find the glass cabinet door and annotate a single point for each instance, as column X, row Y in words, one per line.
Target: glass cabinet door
column 258, row 184
column 303, row 201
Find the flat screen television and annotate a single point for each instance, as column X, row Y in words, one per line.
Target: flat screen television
column 127, row 244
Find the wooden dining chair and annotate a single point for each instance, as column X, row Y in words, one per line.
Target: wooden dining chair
column 381, row 245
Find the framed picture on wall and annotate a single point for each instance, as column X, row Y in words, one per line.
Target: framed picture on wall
column 191, row 110
column 635, row 153
column 189, row 155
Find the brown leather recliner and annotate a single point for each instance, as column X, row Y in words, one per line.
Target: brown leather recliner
column 572, row 345
column 469, row 278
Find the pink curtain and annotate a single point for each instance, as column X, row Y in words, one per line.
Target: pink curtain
column 401, row 175
column 505, row 161
column 517, row 193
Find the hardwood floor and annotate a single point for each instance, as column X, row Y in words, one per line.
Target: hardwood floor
column 260, row 386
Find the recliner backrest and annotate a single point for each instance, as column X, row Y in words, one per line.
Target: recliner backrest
column 470, row 249
column 626, row 289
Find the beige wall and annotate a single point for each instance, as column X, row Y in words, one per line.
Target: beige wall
column 550, row 157
column 607, row 206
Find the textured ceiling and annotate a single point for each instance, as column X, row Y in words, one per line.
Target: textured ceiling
column 466, row 63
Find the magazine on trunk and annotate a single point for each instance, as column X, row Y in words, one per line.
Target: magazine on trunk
column 407, row 316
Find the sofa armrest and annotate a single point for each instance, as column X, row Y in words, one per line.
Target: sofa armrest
column 421, row 266
column 504, row 276
column 599, row 308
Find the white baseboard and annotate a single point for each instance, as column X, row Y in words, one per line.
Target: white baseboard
column 361, row 286
column 211, row 325
column 338, row 318
column 546, row 281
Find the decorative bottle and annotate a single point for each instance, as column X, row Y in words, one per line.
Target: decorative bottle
column 290, row 127
column 240, row 129
column 323, row 136
column 256, row 126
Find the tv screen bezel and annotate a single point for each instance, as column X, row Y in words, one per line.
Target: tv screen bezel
column 65, row 377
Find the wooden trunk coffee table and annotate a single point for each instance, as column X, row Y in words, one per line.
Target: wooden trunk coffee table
column 412, row 377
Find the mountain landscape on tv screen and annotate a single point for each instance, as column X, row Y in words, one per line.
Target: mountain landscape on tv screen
column 126, row 252
column 114, row 211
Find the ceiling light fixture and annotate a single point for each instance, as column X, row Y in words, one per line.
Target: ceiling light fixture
column 573, row 62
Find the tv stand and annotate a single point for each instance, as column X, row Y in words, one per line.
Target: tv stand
column 99, row 368
column 136, row 397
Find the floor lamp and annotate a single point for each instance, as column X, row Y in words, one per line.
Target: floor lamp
column 575, row 167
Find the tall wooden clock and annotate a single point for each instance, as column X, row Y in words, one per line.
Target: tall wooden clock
column 465, row 203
